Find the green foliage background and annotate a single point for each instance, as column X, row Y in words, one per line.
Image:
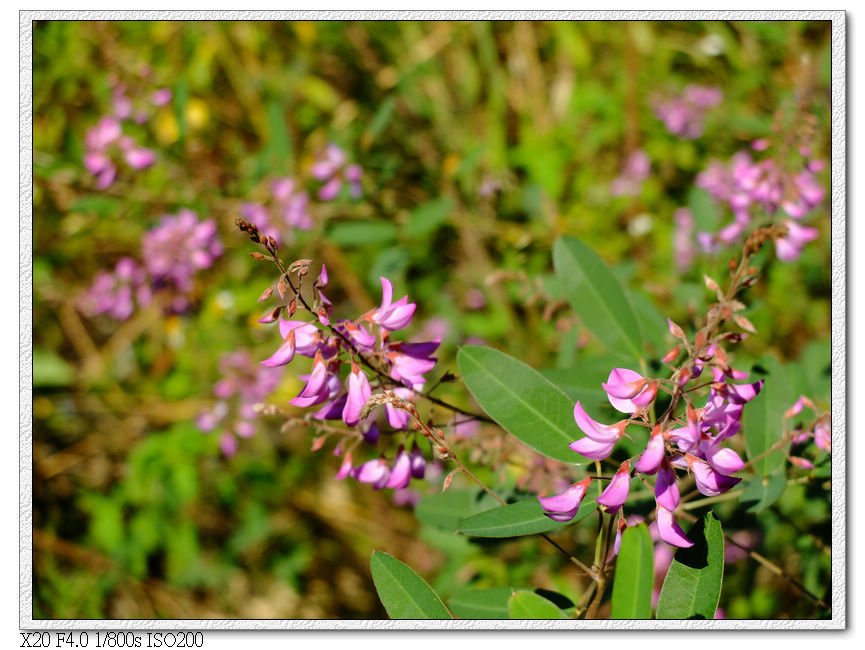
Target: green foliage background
column 137, row 515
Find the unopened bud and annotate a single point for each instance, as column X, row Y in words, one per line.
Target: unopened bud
column 675, row 330
column 744, row 323
column 270, row 316
column 292, row 307
column 258, row 256
column 281, row 288
column 671, row 355
column 267, row 293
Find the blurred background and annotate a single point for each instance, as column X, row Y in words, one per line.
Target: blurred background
column 475, row 145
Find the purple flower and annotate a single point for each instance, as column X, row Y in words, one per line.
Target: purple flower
column 359, row 392
column 284, row 354
column 376, row 472
column 652, row 457
column 176, row 250
column 400, row 473
column 790, row 246
column 563, row 507
column 629, row 391
column 391, row 315
column 307, row 337
column 243, row 385
column 317, row 389
column 115, row 293
column 683, row 115
column 709, row 482
column 669, row 530
column 616, row 493
column 666, row 488
column 600, row 439
column 634, row 173
column 333, row 169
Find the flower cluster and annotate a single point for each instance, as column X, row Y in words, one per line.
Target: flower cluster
column 744, row 184
column 333, row 169
column 634, row 174
column 692, row 443
column 683, row 115
column 175, row 251
column 243, row 385
column 287, row 207
column 172, row 253
column 115, row 293
column 106, row 143
column 377, row 369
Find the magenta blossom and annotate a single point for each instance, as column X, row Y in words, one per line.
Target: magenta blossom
column 391, row 315
column 600, row 439
column 709, row 482
column 563, row 507
column 669, row 531
column 790, row 246
column 629, row 391
column 359, row 392
column 616, row 494
column 333, row 169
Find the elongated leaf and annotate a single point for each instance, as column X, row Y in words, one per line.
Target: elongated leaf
column 597, row 297
column 579, row 385
column 692, row 587
column 528, row 605
column 635, row 574
column 444, row 510
column 404, row 594
column 763, row 491
column 762, row 420
column 481, row 603
column 521, row 400
column 518, row 519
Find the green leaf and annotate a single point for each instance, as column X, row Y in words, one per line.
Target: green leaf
column 581, row 383
column 360, row 233
column 635, row 575
column 404, row 594
column 518, row 519
column 692, row 587
column 762, row 420
column 597, row 297
column 444, row 510
column 763, row 491
column 528, row 605
column 481, row 603
column 428, row 217
column 521, row 400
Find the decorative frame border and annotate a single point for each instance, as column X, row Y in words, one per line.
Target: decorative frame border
column 838, row 308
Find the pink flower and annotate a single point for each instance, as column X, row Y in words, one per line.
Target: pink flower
column 651, row 459
column 666, row 489
column 563, row 507
column 617, row 491
column 284, row 354
column 600, row 439
column 391, row 315
column 400, row 473
column 790, row 246
column 629, row 391
column 669, row 530
column 376, row 472
column 359, row 392
column 709, row 482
